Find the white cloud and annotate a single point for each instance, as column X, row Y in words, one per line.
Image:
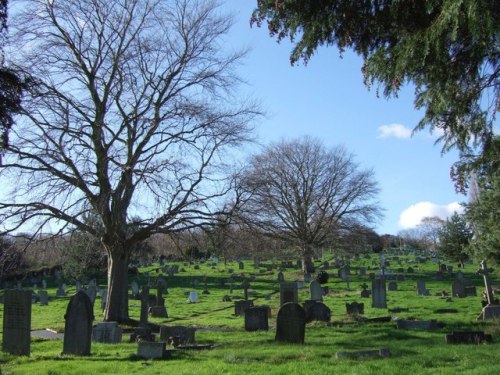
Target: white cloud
column 414, row 214
column 394, row 130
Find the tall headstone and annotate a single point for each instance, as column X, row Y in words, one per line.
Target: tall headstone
column 78, row 326
column 315, row 290
column 288, row 293
column 421, row 289
column 17, row 322
column 379, row 298
column 291, row 323
column 44, row 297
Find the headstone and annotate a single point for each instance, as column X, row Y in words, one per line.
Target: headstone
column 392, row 286
column 315, row 290
column 78, row 326
column 143, row 319
column 362, row 271
column 468, row 337
column 359, row 354
column 44, row 297
column 458, row 288
column 107, row 332
column 379, row 298
column 104, row 297
column 17, row 322
column 193, row 297
column 417, row 324
column 421, row 289
column 355, row 308
column 409, row 270
column 288, row 293
column 152, row 350
column 92, row 293
column 316, row 310
column 241, row 265
column 256, row 318
column 291, row 323
column 241, row 306
column 281, row 277
column 185, row 335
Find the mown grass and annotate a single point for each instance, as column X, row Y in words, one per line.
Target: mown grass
column 236, row 351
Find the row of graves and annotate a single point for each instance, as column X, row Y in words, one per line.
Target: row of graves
column 161, row 341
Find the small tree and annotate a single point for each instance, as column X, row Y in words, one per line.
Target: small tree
column 454, row 239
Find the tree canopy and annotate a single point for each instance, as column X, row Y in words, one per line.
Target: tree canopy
column 448, row 49
column 454, row 238
column 304, row 193
column 134, row 107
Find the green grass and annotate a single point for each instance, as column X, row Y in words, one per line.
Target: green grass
column 237, row 351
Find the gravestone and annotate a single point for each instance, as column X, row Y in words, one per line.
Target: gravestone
column 355, row 308
column 281, row 277
column 152, row 350
column 315, row 291
column 92, row 293
column 107, row 332
column 288, row 293
column 185, row 335
column 241, row 265
column 78, row 325
column 417, row 324
column 44, row 297
column 392, row 286
column 409, row 270
column 364, row 354
column 491, row 310
column 468, row 337
column 379, row 298
column 104, row 297
column 193, row 297
column 256, row 318
column 291, row 323
column 17, row 322
column 241, row 306
column 421, row 289
column 159, row 310
column 134, row 287
column 458, row 288
column 316, row 310
column 362, row 271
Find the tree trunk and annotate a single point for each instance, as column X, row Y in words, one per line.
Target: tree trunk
column 117, row 300
column 307, row 262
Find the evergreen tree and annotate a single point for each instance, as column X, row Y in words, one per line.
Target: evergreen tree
column 454, row 239
column 448, row 49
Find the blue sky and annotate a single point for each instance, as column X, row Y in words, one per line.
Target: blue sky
column 328, row 100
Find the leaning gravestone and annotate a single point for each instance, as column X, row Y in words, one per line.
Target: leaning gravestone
column 291, row 323
column 17, row 322
column 256, row 318
column 78, row 326
column 379, row 298
column 288, row 293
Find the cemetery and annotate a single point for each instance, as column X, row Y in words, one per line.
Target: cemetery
column 261, row 318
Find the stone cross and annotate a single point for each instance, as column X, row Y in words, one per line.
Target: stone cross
column 487, row 284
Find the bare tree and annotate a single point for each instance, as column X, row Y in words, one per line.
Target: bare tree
column 134, row 105
column 302, row 192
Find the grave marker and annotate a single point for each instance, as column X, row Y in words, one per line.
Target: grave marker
column 17, row 322
column 78, row 325
column 291, row 323
column 379, row 298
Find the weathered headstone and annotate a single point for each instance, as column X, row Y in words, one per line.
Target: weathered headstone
column 458, row 288
column 421, row 289
column 281, row 277
column 184, row 335
column 44, row 297
column 372, row 353
column 256, row 318
column 17, row 322
column 241, row 306
column 291, row 323
column 315, row 291
column 241, row 265
column 467, row 337
column 379, row 298
column 134, row 287
column 355, row 308
column 392, row 286
column 288, row 293
column 316, row 310
column 193, row 297
column 417, row 324
column 107, row 332
column 152, row 350
column 78, row 325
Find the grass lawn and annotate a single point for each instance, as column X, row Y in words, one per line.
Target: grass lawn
column 236, row 351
